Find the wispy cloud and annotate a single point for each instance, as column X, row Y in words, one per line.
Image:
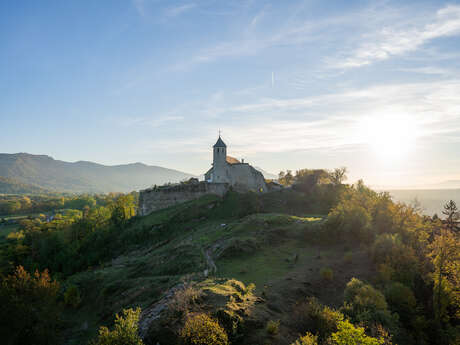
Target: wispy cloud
column 388, row 42
column 326, row 123
column 175, row 11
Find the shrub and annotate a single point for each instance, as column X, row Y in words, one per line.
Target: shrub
column 401, row 300
column 349, row 221
column 311, row 316
column 326, row 273
column 363, row 303
column 200, row 329
column 72, row 296
column 307, row 339
column 273, row 327
column 347, row 334
column 364, row 296
column 400, row 260
column 124, row 332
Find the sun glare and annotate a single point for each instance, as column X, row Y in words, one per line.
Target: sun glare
column 390, row 137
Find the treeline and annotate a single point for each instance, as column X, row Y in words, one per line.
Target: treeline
column 70, row 241
column 25, row 204
column 416, row 295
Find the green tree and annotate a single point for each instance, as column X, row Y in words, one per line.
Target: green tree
column 29, row 309
column 122, row 208
column 347, row 334
column 445, row 256
column 124, row 331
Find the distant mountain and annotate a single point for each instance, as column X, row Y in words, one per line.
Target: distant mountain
column 11, row 186
column 267, row 175
column 45, row 172
column 447, row 184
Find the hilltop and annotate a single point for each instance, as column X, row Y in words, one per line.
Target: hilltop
column 266, row 267
column 44, row 172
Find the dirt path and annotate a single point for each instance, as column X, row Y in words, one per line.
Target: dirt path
column 212, row 268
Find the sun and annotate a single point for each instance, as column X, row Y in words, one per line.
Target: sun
column 390, row 136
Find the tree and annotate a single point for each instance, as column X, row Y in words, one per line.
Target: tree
column 445, row 255
column 347, row 334
column 124, row 331
column 123, row 208
column 452, row 222
column 338, row 175
column 29, row 308
column 285, row 179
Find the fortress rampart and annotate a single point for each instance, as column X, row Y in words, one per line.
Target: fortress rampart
column 157, row 198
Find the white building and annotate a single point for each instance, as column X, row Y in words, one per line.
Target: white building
column 225, row 169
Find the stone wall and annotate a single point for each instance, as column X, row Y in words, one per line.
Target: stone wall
column 153, row 199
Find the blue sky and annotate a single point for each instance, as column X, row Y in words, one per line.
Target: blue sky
column 374, row 86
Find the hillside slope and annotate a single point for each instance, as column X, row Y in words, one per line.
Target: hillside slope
column 210, row 236
column 12, row 186
column 56, row 175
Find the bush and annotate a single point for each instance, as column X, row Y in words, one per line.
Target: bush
column 200, row 329
column 363, row 303
column 72, row 296
column 347, row 334
column 401, row 300
column 273, row 327
column 349, row 221
column 311, row 316
column 307, row 339
column 326, row 273
column 400, row 260
column 124, row 332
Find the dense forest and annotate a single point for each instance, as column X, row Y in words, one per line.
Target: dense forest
column 318, row 262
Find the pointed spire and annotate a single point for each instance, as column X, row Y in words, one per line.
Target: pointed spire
column 219, row 142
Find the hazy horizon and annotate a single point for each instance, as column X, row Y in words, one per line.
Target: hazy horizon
column 372, row 86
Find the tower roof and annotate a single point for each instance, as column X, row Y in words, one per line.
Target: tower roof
column 219, row 143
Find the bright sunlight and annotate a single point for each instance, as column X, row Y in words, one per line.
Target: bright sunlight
column 391, row 137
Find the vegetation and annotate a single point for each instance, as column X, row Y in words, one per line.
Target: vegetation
column 124, row 332
column 30, row 308
column 200, row 329
column 336, row 263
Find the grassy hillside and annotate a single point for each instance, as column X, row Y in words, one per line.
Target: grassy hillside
column 55, row 175
column 268, row 267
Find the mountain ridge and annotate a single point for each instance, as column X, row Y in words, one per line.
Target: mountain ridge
column 83, row 176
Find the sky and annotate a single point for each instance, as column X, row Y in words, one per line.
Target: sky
column 370, row 85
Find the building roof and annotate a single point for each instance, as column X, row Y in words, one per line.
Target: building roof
column 219, row 143
column 232, row 160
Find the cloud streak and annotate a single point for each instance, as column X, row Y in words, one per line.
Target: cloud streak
column 175, row 11
column 388, row 42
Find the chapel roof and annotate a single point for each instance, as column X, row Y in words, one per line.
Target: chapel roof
column 219, row 143
column 232, row 160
